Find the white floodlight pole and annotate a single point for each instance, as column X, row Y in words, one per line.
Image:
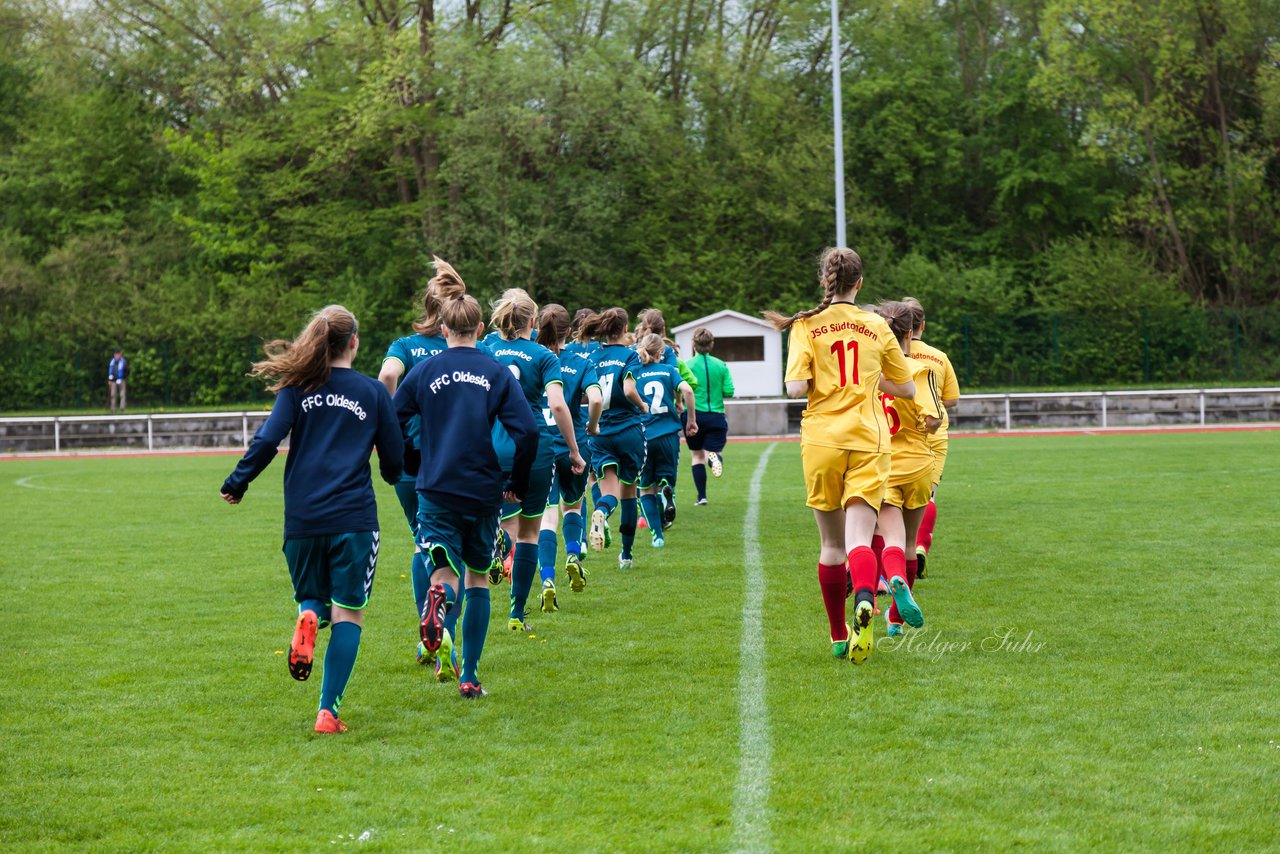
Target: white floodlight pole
column 839, row 123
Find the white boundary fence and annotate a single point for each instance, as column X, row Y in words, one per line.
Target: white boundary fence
column 762, row 417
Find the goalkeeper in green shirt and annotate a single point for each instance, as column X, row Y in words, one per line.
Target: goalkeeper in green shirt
column 714, row 385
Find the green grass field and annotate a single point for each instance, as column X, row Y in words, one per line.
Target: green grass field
column 145, row 702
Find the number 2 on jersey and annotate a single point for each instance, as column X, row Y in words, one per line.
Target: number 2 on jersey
column 850, row 347
column 654, row 391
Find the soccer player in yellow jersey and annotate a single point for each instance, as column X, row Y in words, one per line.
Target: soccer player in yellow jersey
column 840, row 358
column 911, row 422
column 945, row 377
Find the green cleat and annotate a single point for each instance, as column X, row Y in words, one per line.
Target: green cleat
column 515, row 624
column 426, row 658
column 921, row 556
column 624, row 563
column 446, row 663
column 860, row 649
column 906, row 603
column 577, row 574
column 549, row 602
column 840, row 648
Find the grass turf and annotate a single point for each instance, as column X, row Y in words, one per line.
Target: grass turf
column 145, row 702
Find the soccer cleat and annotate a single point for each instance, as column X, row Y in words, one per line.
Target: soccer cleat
column 906, row 603
column 668, row 507
column 882, row 589
column 515, row 624
column 577, row 574
column 921, row 554
column 642, row 522
column 608, row 535
column 701, row 502
column 446, row 663
column 716, row 463
column 840, row 648
column 502, row 547
column 471, row 691
column 658, row 541
column 549, row 602
column 303, row 646
column 894, row 630
column 624, row 563
column 327, row 722
column 860, row 649
column 597, row 533
column 426, row 658
column 432, row 626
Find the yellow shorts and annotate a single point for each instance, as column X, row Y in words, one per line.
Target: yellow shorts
column 912, row 494
column 835, row 477
column 939, row 447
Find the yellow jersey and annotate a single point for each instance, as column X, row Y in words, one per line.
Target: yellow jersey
column 943, row 374
column 842, row 352
column 911, row 451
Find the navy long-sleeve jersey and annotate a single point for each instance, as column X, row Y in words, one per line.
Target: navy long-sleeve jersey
column 327, row 485
column 459, row 394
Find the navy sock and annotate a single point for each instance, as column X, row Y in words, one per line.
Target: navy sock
column 320, row 609
column 475, row 625
column 608, row 504
column 627, row 527
column 523, row 568
column 595, row 494
column 573, row 533
column 652, row 513
column 339, row 661
column 548, row 545
column 420, row 573
column 700, row 480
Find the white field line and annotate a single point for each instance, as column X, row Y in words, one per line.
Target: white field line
column 751, row 796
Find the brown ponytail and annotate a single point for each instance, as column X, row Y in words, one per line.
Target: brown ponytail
column 651, row 320
column 304, row 361
column 899, row 317
column 553, row 326
column 841, row 273
column 610, row 324
column 428, row 322
column 917, row 312
column 580, row 317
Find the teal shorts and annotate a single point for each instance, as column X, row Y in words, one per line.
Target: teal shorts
column 540, row 476
column 407, row 491
column 567, row 486
column 453, row 539
column 662, row 461
column 623, row 450
column 337, row 569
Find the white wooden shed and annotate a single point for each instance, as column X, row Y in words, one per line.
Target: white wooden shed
column 750, row 346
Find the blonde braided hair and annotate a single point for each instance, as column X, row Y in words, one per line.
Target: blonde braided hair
column 841, row 271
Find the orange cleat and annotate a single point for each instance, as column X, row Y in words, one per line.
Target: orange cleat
column 327, row 722
column 303, row 646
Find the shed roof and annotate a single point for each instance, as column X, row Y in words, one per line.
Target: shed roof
column 728, row 312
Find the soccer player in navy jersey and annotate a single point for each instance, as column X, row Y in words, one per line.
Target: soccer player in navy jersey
column 459, row 394
column 568, row 485
column 425, row 342
column 336, row 417
column 617, row 453
column 660, row 385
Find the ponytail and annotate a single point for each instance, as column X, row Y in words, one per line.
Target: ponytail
column 609, row 324
column 898, row 315
column 304, row 361
column 841, row 274
column 650, row 347
column 445, row 281
column 580, row 317
column 553, row 326
column 512, row 312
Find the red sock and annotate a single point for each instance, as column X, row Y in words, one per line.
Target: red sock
column 912, row 566
column 924, row 536
column 895, row 563
column 832, row 581
column 894, row 616
column 862, row 567
column 877, row 546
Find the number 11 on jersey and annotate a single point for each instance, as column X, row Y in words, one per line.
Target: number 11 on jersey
column 850, row 347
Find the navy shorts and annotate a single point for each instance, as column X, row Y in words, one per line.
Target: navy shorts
column 624, row 450
column 337, row 569
column 713, row 431
column 662, row 461
column 455, row 539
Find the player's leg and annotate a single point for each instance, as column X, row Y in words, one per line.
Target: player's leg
column 610, row 496
column 440, row 541
column 892, row 527
column 524, row 565
column 419, row 570
column 631, row 463
column 668, row 475
column 823, row 475
column 305, row 559
column 698, row 463
column 548, row 548
column 478, row 532
column 353, row 561
column 717, row 432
